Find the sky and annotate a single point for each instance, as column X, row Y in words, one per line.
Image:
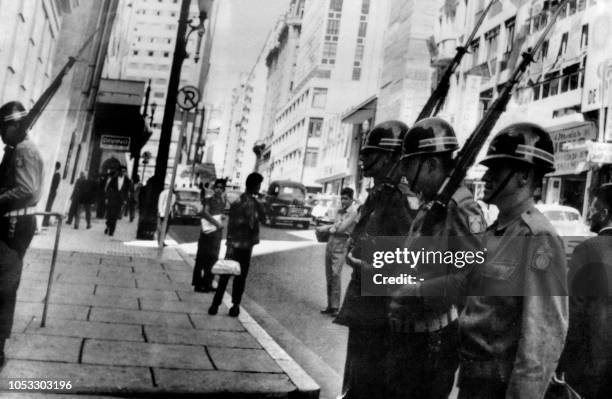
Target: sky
column 241, row 31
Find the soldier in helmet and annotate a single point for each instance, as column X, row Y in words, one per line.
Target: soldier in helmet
column 21, row 173
column 425, row 330
column 513, row 325
column 385, row 212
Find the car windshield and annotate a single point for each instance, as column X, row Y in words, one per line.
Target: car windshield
column 290, row 193
column 556, row 216
column 572, row 216
column 187, row 196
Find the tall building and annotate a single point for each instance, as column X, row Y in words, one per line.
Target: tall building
column 143, row 48
column 561, row 90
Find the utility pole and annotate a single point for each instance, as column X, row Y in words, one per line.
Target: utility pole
column 144, row 118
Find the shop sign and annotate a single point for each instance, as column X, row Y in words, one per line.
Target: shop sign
column 570, row 162
column 600, row 153
column 117, row 143
column 577, row 133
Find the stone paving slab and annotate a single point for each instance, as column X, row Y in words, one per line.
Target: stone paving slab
column 274, row 385
column 59, row 311
column 170, row 335
column 40, row 347
column 88, row 329
column 97, row 300
column 146, row 354
column 240, row 359
column 136, row 293
column 95, row 280
column 220, row 322
column 84, row 378
column 177, row 306
column 163, row 285
column 179, row 320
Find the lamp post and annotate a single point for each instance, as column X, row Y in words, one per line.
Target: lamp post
column 147, row 222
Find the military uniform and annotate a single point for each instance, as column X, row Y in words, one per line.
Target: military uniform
column 384, row 213
column 21, row 175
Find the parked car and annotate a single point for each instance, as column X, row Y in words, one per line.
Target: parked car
column 285, row 202
column 325, row 210
column 187, row 206
column 565, row 219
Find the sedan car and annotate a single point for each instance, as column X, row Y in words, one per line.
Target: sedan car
column 566, row 220
column 187, row 207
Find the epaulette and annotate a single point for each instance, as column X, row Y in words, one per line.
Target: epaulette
column 462, row 194
column 537, row 222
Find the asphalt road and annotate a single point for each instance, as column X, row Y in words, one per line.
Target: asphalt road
column 286, row 288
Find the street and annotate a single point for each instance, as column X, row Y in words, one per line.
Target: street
column 286, row 285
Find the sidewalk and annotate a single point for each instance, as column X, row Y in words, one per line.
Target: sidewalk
column 124, row 321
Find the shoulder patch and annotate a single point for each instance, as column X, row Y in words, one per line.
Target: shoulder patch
column 542, row 258
column 475, row 223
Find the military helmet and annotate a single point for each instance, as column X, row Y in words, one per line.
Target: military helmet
column 524, row 142
column 429, row 136
column 12, row 111
column 386, row 136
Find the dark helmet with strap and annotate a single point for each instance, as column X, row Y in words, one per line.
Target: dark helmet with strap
column 429, row 136
column 12, row 112
column 386, row 136
column 524, row 142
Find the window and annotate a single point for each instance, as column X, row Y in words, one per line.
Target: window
column 491, row 38
column 150, row 53
column 158, row 95
column 319, row 98
column 166, row 54
column 544, row 50
column 311, row 157
column 315, row 126
column 363, row 26
column 563, row 46
column 329, row 52
column 335, row 5
column 135, row 52
column 359, row 52
column 356, row 73
column 333, row 27
column 365, row 6
column 509, row 34
column 475, row 51
column 571, row 7
column 584, row 36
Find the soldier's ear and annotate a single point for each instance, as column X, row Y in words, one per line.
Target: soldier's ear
column 524, row 177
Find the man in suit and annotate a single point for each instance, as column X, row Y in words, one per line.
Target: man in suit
column 125, row 188
column 52, row 192
column 587, row 357
column 114, row 202
column 78, row 195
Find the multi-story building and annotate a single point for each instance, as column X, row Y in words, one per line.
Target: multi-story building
column 144, row 42
column 281, row 61
column 561, row 90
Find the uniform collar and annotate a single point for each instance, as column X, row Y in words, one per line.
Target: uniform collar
column 504, row 220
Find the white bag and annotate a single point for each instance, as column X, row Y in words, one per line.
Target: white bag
column 208, row 227
column 226, row 266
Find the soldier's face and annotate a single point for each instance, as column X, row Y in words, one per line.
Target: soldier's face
column 495, row 176
column 345, row 200
column 9, row 132
column 372, row 164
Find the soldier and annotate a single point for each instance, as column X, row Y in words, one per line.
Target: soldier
column 425, row 330
column 514, row 322
column 587, row 357
column 21, row 174
column 385, row 212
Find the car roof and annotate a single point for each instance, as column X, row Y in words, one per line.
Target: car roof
column 192, row 190
column 288, row 183
column 555, row 207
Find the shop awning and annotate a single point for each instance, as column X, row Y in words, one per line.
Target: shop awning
column 362, row 112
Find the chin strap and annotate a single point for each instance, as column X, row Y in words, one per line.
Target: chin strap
column 499, row 189
column 416, row 176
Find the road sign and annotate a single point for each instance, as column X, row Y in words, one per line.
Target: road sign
column 188, row 97
column 118, row 143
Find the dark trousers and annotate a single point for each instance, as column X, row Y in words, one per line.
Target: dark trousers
column 242, row 256
column 366, row 356
column 49, row 206
column 423, row 365
column 208, row 253
column 77, row 215
column 15, row 237
column 72, row 211
column 112, row 214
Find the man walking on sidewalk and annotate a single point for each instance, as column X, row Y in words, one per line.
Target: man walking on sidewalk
column 114, row 202
column 242, row 235
column 21, row 173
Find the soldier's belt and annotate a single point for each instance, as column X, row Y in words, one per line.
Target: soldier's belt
column 20, row 212
column 429, row 324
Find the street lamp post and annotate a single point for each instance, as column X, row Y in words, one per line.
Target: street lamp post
column 147, row 222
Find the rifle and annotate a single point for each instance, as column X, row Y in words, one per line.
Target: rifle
column 466, row 157
column 48, row 94
column 437, row 97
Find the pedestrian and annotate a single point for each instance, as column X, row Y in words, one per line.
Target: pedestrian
column 515, row 318
column 335, row 251
column 21, row 175
column 587, row 357
column 245, row 214
column 135, row 197
column 125, row 188
column 161, row 211
column 209, row 243
column 78, row 198
column 384, row 213
column 55, row 181
column 425, row 334
column 114, row 202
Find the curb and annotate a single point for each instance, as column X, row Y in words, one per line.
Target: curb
column 307, row 388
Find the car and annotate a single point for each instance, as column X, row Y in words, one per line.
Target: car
column 325, row 209
column 187, row 206
column 565, row 219
column 285, row 202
